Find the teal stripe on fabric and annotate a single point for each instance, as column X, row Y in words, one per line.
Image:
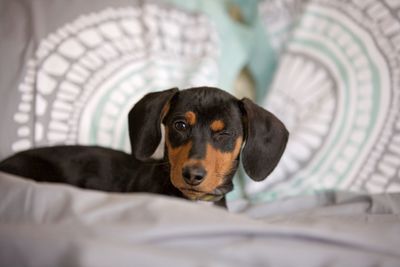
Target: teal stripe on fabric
column 344, row 77
column 375, row 79
column 263, row 59
column 263, row 62
column 239, row 42
column 297, row 183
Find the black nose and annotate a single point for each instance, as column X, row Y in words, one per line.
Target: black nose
column 193, row 175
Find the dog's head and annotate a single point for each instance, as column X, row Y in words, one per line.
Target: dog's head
column 206, row 130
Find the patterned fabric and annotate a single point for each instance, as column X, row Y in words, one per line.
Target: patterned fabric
column 87, row 75
column 337, row 89
column 331, row 70
column 88, row 64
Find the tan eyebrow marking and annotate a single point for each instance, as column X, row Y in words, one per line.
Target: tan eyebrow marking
column 217, row 125
column 190, row 117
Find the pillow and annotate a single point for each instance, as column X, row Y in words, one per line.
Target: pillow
column 71, row 70
column 337, row 90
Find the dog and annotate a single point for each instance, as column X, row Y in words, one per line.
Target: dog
column 206, row 131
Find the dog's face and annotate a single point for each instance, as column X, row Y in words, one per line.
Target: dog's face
column 206, row 131
column 203, row 137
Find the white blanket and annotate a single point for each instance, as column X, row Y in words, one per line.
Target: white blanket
column 45, row 224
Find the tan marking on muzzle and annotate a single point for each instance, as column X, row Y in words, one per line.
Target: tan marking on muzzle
column 218, row 164
column 177, row 158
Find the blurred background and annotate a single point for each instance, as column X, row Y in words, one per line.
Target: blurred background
column 71, row 70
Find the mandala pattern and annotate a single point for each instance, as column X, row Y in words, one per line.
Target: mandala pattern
column 337, row 90
column 85, row 77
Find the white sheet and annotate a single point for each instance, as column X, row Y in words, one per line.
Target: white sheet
column 58, row 225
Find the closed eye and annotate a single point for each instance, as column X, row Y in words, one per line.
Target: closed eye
column 224, row 133
column 221, row 135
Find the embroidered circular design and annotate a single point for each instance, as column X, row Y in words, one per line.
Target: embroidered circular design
column 337, row 90
column 86, row 76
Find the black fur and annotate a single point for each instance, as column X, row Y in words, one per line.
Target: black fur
column 265, row 141
column 114, row 171
column 144, row 121
column 90, row 167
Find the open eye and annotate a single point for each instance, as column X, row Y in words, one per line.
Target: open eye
column 181, row 126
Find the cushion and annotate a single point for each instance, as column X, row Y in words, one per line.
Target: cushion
column 72, row 70
column 337, row 90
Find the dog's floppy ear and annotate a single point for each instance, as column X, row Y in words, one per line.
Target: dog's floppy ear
column 144, row 122
column 266, row 138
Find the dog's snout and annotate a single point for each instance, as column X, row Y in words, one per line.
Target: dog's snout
column 193, row 175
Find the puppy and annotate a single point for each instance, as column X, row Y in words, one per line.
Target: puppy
column 207, row 131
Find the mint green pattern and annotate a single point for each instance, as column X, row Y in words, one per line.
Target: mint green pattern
column 335, row 88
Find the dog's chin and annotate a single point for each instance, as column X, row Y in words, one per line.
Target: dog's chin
column 203, row 196
column 213, row 196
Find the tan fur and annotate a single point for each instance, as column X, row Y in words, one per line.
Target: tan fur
column 190, row 117
column 218, row 164
column 217, row 125
column 165, row 110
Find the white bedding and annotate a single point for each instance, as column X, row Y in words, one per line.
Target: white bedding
column 58, row 225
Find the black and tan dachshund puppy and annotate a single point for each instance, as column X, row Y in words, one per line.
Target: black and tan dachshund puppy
column 206, row 131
